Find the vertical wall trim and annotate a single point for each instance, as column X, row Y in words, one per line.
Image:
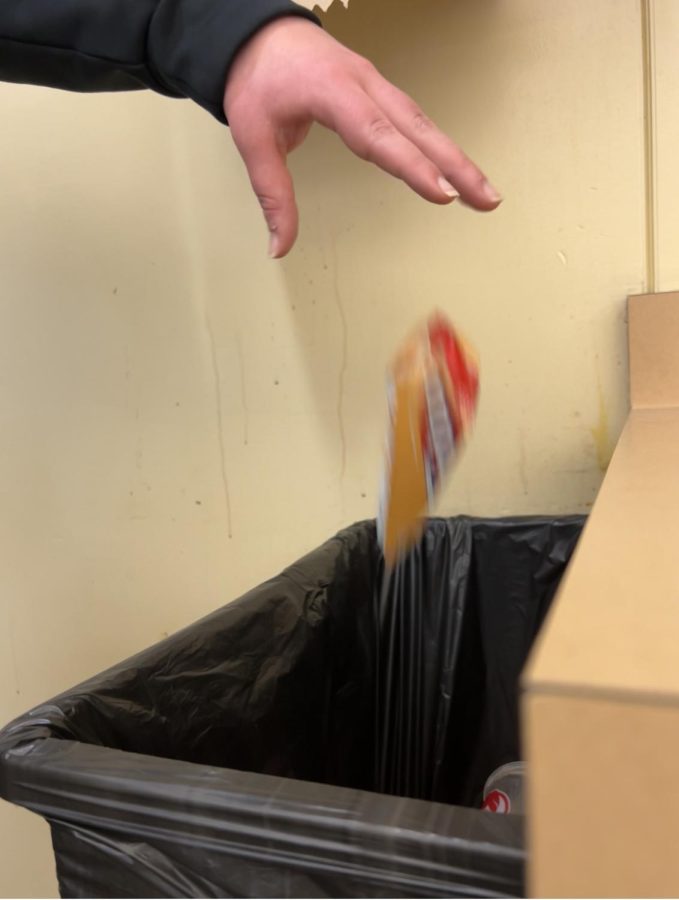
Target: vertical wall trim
column 650, row 186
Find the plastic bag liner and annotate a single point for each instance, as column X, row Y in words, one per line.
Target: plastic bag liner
column 326, row 735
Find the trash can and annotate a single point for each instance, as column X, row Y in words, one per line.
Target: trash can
column 326, row 735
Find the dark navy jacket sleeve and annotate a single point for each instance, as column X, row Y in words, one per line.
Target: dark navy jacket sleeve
column 181, row 48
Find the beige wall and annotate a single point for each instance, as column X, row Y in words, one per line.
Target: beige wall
column 665, row 79
column 181, row 417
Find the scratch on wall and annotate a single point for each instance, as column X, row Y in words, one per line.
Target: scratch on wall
column 139, row 447
column 243, row 395
column 601, row 432
column 13, row 653
column 220, row 421
column 343, row 363
column 183, row 159
column 467, row 497
column 522, row 462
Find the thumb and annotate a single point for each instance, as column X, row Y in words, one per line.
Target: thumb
column 271, row 181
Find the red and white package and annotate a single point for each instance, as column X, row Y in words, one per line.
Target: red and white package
column 432, row 395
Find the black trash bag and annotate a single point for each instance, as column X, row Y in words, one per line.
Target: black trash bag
column 457, row 619
column 319, row 737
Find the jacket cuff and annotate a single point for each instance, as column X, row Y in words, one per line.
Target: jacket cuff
column 192, row 43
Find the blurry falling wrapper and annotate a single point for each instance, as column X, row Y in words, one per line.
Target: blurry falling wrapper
column 432, row 393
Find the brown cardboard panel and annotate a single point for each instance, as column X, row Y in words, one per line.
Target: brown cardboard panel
column 615, row 624
column 603, row 803
column 601, row 708
column 654, row 350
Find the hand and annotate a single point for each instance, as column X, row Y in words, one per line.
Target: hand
column 291, row 74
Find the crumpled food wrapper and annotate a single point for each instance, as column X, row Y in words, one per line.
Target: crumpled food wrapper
column 432, row 392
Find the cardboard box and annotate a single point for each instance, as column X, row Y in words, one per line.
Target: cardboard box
column 601, row 691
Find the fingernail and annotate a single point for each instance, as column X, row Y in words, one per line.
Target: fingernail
column 490, row 193
column 274, row 245
column 447, row 188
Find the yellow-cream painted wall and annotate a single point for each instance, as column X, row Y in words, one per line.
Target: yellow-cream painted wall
column 665, row 80
column 180, row 416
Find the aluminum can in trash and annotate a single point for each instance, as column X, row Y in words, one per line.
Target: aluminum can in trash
column 504, row 789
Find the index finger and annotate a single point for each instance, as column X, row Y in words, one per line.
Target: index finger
column 367, row 130
column 474, row 187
